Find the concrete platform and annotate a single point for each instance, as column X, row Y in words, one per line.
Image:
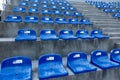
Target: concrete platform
column 114, row 34
column 11, row 29
column 117, row 45
column 34, row 49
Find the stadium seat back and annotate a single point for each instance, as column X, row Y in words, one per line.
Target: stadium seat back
column 115, row 55
column 66, row 32
column 96, row 32
column 16, row 61
column 26, row 32
column 76, row 55
column 50, row 58
column 47, row 32
column 99, row 54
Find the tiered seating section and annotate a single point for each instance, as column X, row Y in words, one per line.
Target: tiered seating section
column 112, row 8
column 56, row 8
column 51, row 66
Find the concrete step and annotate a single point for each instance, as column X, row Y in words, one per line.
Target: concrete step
column 114, row 34
column 89, row 11
column 11, row 29
column 106, row 22
column 107, row 25
column 116, row 41
column 14, row 2
column 117, row 45
column 101, row 19
column 34, row 49
column 111, row 29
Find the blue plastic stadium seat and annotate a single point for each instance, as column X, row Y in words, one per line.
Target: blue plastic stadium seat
column 77, row 14
column 57, row 12
column 16, row 68
column 107, row 10
column 26, row 35
column 44, row 6
column 52, row 0
column 52, row 3
column 64, row 2
column 31, row 19
column 115, row 55
column 118, row 11
column 23, row 4
column 60, row 4
column 72, row 8
column 68, row 13
column 78, row 63
column 48, row 35
column 66, row 35
column 98, row 34
column 85, row 22
column 114, row 11
column 35, row 5
column 68, row 5
column 83, row 34
column 54, row 7
column 61, row 21
column 12, row 18
column 33, row 10
column 19, row 9
column 37, row 1
column 116, row 15
column 73, row 21
column 27, row 0
column 46, row 12
column 99, row 6
column 63, row 8
column 105, row 6
column 44, row 2
column 111, row 6
column 100, row 59
column 47, row 20
column 50, row 66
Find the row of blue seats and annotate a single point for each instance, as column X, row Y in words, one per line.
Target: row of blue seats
column 46, row 11
column 65, row 4
column 116, row 3
column 116, row 15
column 102, row 5
column 48, row 8
column 109, row 8
column 33, row 19
column 29, row 34
column 37, row 1
column 51, row 66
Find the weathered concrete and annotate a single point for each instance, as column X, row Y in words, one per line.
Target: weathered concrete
column 11, row 29
column 34, row 49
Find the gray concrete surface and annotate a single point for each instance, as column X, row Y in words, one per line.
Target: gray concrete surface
column 11, row 29
column 34, row 49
